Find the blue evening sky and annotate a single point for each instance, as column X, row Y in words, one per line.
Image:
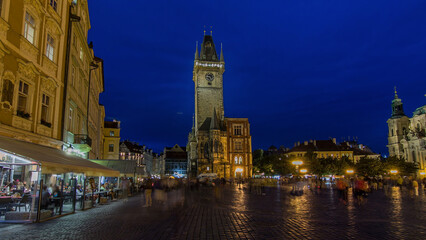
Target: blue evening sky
column 297, row 69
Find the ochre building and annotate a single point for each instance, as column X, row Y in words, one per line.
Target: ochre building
column 216, row 144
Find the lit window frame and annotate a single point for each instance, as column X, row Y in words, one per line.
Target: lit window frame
column 30, row 28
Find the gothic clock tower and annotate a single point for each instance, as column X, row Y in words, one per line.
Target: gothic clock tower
column 208, row 81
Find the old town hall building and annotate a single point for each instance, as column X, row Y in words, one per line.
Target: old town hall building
column 216, row 144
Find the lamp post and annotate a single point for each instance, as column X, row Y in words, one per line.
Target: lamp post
column 297, row 163
column 393, row 171
column 349, row 171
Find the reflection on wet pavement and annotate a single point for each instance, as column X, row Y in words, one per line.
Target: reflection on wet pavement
column 233, row 213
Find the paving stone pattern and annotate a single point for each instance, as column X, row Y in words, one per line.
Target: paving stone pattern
column 233, row 213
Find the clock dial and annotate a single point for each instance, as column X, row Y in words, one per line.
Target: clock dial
column 209, row 77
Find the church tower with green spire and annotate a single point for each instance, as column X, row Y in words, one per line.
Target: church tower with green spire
column 398, row 125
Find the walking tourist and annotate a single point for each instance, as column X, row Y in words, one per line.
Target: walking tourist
column 148, row 192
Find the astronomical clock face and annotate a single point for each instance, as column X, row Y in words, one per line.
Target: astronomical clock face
column 209, row 77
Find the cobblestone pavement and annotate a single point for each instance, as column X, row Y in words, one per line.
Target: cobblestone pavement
column 232, row 213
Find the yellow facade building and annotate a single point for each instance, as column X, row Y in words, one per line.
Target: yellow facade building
column 111, row 140
column 32, row 48
column 331, row 149
column 50, row 78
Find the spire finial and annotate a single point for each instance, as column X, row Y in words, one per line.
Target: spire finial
column 396, row 94
column 221, row 53
column 204, row 30
column 211, row 31
column 193, row 120
column 196, row 51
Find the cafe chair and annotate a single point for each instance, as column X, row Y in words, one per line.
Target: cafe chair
column 4, row 205
column 22, row 203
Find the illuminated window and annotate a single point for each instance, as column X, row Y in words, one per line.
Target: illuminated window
column 81, row 54
column 70, row 120
column 237, row 130
column 50, row 47
column 111, row 133
column 54, row 4
column 111, row 148
column 23, row 97
column 45, row 101
column 236, row 160
column 240, row 160
column 29, row 29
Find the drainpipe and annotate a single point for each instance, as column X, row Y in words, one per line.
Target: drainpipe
column 72, row 18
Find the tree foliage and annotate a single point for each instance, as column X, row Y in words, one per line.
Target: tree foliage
column 282, row 164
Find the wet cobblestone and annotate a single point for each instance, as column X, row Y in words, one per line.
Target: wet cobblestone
column 232, row 213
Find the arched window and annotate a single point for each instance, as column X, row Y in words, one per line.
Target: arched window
column 236, row 160
column 241, row 160
column 392, row 132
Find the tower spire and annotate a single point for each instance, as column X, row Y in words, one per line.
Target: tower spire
column 397, row 107
column 221, row 53
column 197, row 56
column 214, row 125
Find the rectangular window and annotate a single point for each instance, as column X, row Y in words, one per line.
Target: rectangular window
column 54, row 4
column 7, row 92
column 81, row 54
column 111, row 148
column 45, row 101
column 29, row 29
column 23, row 97
column 50, row 47
column 1, row 7
column 70, row 120
column 111, row 133
column 74, row 40
column 73, row 76
column 237, row 130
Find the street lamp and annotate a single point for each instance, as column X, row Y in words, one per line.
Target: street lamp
column 393, row 171
column 303, row 170
column 349, row 171
column 297, row 163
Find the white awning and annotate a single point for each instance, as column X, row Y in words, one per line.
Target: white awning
column 54, row 161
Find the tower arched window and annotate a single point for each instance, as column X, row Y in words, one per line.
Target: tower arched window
column 392, row 133
column 236, row 160
column 240, row 160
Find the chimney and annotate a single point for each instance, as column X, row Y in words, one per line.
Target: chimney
column 315, row 142
column 306, row 143
column 334, row 140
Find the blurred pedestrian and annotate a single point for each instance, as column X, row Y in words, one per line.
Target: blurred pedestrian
column 148, row 192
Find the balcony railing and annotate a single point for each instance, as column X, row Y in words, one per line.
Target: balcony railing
column 82, row 139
